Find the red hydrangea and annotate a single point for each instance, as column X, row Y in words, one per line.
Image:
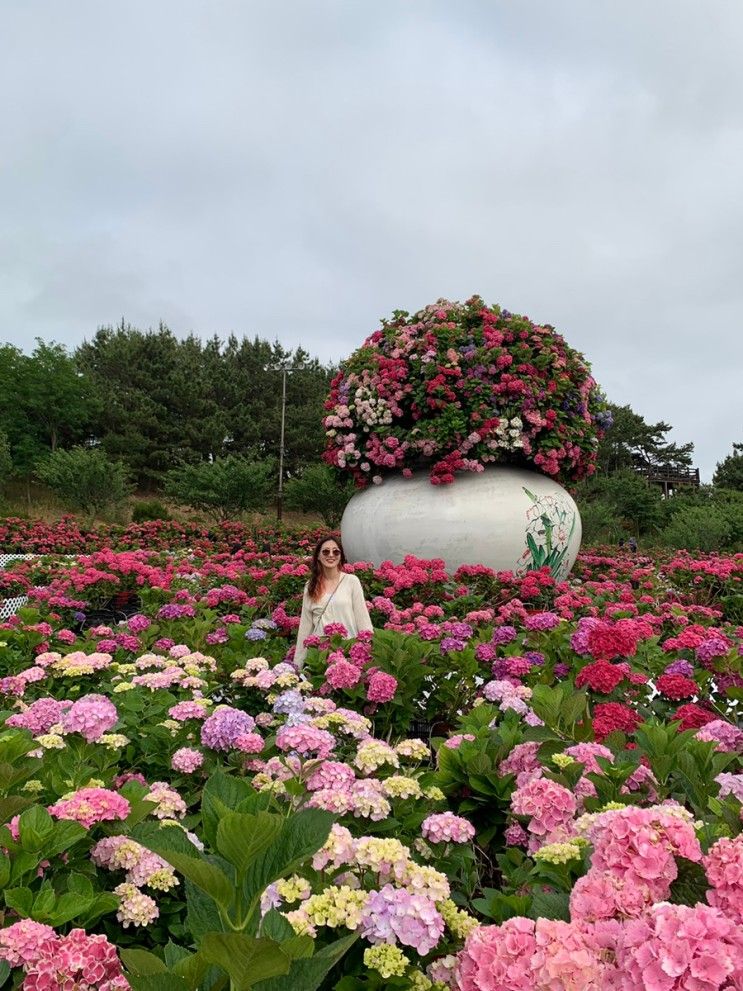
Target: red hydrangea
column 601, row 676
column 693, row 716
column 676, row 686
column 606, row 641
column 611, row 716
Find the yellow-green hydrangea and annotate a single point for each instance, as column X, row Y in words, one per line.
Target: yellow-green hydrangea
column 336, row 906
column 400, row 786
column 461, row 923
column 562, row 760
column 114, row 741
column 558, row 853
column 387, row 960
column 294, row 888
column 51, row 741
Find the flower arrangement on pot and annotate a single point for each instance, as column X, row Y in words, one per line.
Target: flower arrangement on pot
column 458, row 386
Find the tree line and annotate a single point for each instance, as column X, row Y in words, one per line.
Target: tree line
column 154, row 402
column 200, row 421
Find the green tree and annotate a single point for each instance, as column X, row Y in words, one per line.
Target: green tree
column 84, row 479
column 6, row 462
column 320, row 490
column 633, row 443
column 636, row 504
column 729, row 471
column 225, row 488
column 45, row 402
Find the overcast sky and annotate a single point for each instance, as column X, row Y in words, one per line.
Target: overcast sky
column 298, row 170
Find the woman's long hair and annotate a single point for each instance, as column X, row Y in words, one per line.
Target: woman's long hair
column 315, row 584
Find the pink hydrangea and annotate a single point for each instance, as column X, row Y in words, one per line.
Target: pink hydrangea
column 571, row 955
column 639, row 845
column 680, row 948
column 91, row 805
column 75, row 962
column 498, row 958
column 331, row 774
column 21, row 942
column 724, row 868
column 40, row 716
column 91, row 716
column 727, row 737
column 599, row 895
column 249, row 743
column 342, row 674
column 548, row 805
column 381, row 687
column 187, row 710
column 306, row 740
column 523, row 762
column 168, row 803
column 446, row 827
column 187, row 760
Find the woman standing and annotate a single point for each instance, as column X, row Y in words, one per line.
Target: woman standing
column 330, row 596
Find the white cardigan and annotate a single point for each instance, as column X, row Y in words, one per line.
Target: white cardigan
column 347, row 606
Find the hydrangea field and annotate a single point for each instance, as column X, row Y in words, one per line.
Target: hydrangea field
column 512, row 785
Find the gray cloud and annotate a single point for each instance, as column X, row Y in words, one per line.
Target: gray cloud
column 299, row 169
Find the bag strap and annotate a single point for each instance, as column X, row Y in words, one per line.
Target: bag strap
column 319, row 618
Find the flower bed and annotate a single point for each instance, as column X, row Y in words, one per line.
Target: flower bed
column 573, row 820
column 456, row 387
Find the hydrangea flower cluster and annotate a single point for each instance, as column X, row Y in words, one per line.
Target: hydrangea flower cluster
column 89, row 806
column 458, row 386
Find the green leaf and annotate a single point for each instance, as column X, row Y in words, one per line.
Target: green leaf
column 69, row 906
column 4, row 972
column 691, row 885
column 222, row 794
column 44, row 902
column 66, row 834
column 246, row 959
column 173, row 953
column 308, row 974
column 275, row 926
column 79, row 884
column 36, row 827
column 174, row 846
column 241, row 838
column 21, row 900
column 157, row 982
column 300, row 836
column 550, row 905
column 142, row 962
column 202, row 915
column 11, row 805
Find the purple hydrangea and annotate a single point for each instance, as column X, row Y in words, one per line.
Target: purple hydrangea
column 393, row 915
column 255, row 634
column 542, row 621
column 502, row 635
column 686, row 668
column 222, row 728
column 451, row 645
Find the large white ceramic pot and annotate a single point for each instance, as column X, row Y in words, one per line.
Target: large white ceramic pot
column 509, row 519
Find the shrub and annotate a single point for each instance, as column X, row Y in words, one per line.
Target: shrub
column 149, row 509
column 703, row 528
column 223, row 489
column 320, row 490
column 85, row 480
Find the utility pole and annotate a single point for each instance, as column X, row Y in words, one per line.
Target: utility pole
column 280, row 499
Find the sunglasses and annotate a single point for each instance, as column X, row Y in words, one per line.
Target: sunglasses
column 335, row 553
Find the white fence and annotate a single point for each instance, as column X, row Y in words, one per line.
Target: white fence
column 9, row 607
